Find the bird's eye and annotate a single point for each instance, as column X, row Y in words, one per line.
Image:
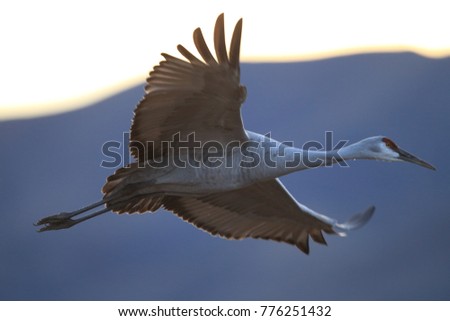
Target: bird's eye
column 389, row 143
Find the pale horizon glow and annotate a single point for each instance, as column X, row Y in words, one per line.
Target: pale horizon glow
column 59, row 55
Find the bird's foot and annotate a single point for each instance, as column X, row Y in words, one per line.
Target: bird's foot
column 56, row 222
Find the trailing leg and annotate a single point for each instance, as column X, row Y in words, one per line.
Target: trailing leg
column 64, row 220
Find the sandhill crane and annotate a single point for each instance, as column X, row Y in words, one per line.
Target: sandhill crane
column 191, row 107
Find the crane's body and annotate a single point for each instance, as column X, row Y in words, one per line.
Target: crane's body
column 194, row 157
column 236, row 165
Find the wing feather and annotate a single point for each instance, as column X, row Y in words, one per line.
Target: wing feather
column 263, row 210
column 187, row 54
column 219, row 44
column 198, row 96
column 202, row 48
column 235, row 46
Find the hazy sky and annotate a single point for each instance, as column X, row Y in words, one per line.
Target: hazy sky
column 58, row 55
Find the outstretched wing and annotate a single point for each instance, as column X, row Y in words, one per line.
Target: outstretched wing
column 263, row 210
column 194, row 96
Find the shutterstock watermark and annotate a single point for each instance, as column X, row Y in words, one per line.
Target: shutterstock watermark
column 187, row 151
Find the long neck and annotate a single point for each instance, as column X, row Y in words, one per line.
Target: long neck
column 292, row 159
column 285, row 159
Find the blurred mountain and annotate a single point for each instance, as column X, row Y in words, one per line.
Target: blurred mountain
column 52, row 164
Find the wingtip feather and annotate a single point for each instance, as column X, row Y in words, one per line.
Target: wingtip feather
column 219, row 40
column 355, row 222
column 235, row 46
column 202, row 47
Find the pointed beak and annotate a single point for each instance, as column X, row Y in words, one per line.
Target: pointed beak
column 407, row 157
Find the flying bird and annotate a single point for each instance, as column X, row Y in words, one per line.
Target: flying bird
column 194, row 157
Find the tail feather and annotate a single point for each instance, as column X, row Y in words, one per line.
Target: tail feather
column 139, row 204
column 122, row 195
column 118, row 177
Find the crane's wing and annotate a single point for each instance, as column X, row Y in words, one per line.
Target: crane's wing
column 263, row 210
column 183, row 97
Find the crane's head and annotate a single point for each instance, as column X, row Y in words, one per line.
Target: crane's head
column 383, row 148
